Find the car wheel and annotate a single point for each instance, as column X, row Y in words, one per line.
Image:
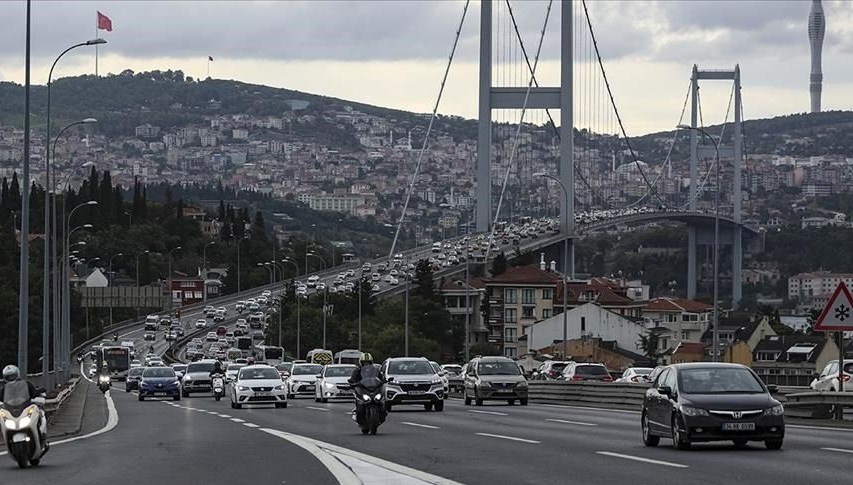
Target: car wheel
column 177, row 398
column 238, row 406
column 478, row 402
column 324, row 400
column 316, row 399
column 523, row 401
column 185, row 393
column 126, row 389
column 290, row 396
column 466, row 398
column 648, row 438
column 428, row 407
column 679, row 440
column 439, row 406
column 232, row 405
column 511, row 402
column 140, row 397
column 773, row 444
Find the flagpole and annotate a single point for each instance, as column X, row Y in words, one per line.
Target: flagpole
column 208, row 67
column 96, row 45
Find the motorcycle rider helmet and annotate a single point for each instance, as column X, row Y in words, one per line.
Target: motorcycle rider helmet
column 366, row 359
column 250, row 361
column 11, row 373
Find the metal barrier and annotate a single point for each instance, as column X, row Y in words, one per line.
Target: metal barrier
column 590, row 393
column 820, row 405
column 53, row 405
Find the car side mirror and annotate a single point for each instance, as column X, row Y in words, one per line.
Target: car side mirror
column 772, row 388
column 665, row 391
column 391, row 379
column 816, row 376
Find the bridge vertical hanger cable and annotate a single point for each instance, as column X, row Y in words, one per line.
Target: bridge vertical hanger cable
column 518, row 128
column 429, row 130
column 548, row 111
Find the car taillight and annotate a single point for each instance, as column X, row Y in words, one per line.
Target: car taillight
column 607, row 379
column 845, row 378
column 553, row 373
column 634, row 379
column 577, row 378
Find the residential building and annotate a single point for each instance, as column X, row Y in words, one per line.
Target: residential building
column 686, row 319
column 803, row 286
column 610, row 294
column 455, row 294
column 337, row 203
column 790, row 360
column 147, row 131
column 596, row 349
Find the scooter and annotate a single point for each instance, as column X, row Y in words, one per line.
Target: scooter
column 104, row 383
column 369, row 397
column 23, row 425
column 218, row 386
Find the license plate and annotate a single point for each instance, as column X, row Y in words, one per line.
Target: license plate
column 417, row 393
column 738, row 426
column 19, row 437
column 309, row 388
column 263, row 394
column 160, row 393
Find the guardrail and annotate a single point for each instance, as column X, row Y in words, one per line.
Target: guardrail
column 820, row 405
column 53, row 405
column 589, row 393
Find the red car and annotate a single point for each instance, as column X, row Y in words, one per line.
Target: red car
column 221, row 331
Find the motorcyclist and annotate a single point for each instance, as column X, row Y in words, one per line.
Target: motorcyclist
column 217, row 369
column 11, row 373
column 365, row 370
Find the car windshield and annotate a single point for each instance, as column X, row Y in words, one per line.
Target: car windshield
column 453, row 369
column 285, row 366
column 498, row 367
column 559, row 366
column 302, row 370
column 200, row 367
column 722, row 380
column 235, row 367
column 158, row 372
column 410, row 367
column 137, row 371
column 643, row 371
column 258, row 373
column 591, row 370
column 344, row 371
column 179, row 368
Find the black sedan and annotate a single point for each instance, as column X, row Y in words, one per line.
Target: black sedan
column 701, row 402
column 134, row 375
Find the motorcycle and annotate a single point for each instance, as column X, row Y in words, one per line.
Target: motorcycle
column 369, row 397
column 104, row 383
column 23, row 425
column 218, row 386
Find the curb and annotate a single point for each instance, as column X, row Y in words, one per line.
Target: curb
column 78, row 423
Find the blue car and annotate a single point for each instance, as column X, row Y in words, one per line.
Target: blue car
column 159, row 382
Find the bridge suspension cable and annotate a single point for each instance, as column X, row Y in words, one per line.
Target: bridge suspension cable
column 429, row 129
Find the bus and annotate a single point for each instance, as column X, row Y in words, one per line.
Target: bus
column 319, row 356
column 270, row 354
column 244, row 344
column 348, row 356
column 117, row 359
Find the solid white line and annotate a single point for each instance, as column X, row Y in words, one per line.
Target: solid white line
column 819, row 428
column 641, row 459
column 112, row 422
column 316, row 409
column 238, row 420
column 564, row 421
column 407, row 423
column 495, row 413
column 343, row 474
column 590, row 408
column 840, row 450
column 251, row 425
column 511, row 438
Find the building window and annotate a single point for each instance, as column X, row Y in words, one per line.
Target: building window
column 510, row 296
column 510, row 335
column 510, row 352
column 511, row 315
column 528, row 312
column 547, row 313
column 548, row 294
column 528, row 296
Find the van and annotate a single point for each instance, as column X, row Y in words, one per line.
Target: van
column 436, row 247
column 313, row 280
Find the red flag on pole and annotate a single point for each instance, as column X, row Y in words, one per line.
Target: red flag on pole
column 209, row 58
column 104, row 23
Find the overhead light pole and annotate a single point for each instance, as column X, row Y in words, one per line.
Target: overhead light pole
column 298, row 311
column 65, row 328
column 169, row 279
column 239, row 288
column 268, row 268
column 716, row 329
column 138, row 255
column 566, row 275
column 325, row 292
column 111, row 278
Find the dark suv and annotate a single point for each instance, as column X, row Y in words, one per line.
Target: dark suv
column 494, row 378
column 412, row 380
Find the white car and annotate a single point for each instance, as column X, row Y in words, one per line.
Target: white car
column 303, row 379
column 827, row 380
column 231, row 371
column 201, row 323
column 211, row 337
column 258, row 384
column 635, row 374
column 442, row 374
column 333, row 383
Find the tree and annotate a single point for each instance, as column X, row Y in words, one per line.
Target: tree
column 649, row 345
column 423, row 280
column 484, row 350
column 499, row 264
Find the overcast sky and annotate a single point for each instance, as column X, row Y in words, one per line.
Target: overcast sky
column 393, row 53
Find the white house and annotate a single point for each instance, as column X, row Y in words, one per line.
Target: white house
column 588, row 320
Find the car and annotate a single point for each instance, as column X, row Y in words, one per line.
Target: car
column 303, row 379
column 258, row 384
column 231, row 371
column 197, row 377
column 350, row 273
column 253, row 306
column 655, row 373
column 827, row 379
column 135, row 363
column 149, row 336
column 441, row 373
column 333, row 383
column 165, row 320
column 550, row 370
column 178, row 329
column 201, row 323
column 704, row 401
column 211, row 337
column 240, row 305
column 583, row 371
column 150, row 325
column 133, row 377
column 454, row 376
column 171, row 335
column 635, row 375
column 221, row 330
column 412, row 380
column 159, row 382
column 494, row 378
column 179, row 370
column 284, row 369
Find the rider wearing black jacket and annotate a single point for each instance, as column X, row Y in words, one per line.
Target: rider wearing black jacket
column 365, row 370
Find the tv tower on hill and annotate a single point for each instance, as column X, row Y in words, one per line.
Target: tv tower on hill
column 817, row 28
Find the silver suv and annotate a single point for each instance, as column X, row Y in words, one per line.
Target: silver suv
column 412, row 380
column 494, row 378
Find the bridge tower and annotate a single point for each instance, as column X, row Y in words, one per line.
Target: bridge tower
column 698, row 235
column 492, row 97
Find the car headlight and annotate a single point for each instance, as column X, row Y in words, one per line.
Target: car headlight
column 483, row 384
column 521, row 384
column 24, row 422
column 435, row 380
column 328, row 385
column 689, row 411
column 775, row 411
column 365, row 397
column 242, row 388
column 279, row 388
column 10, row 424
column 377, row 397
column 104, row 379
column 175, row 383
column 188, row 378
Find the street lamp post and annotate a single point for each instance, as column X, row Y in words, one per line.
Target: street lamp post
column 716, row 329
column 204, row 267
column 298, row 313
column 169, row 279
column 111, row 278
column 138, row 255
column 239, row 288
column 65, row 331
column 566, row 216
column 268, row 268
column 325, row 292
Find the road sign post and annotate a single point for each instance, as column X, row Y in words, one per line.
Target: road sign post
column 837, row 316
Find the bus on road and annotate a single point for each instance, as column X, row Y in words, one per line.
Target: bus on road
column 348, row 356
column 270, row 354
column 117, row 359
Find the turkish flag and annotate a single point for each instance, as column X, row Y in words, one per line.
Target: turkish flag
column 104, row 23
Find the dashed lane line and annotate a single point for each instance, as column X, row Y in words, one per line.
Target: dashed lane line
column 493, row 413
column 316, row 409
column 641, row 459
column 510, row 438
column 839, row 450
column 251, row 425
column 418, row 425
column 566, row 421
column 818, row 428
column 238, row 420
column 590, row 408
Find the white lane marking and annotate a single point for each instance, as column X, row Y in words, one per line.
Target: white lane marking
column 511, row 438
column 819, row 428
column 641, row 459
column 223, row 415
column 565, row 421
column 316, row 409
column 238, row 420
column 590, row 408
column 494, row 413
column 342, row 473
column 840, row 450
column 327, row 448
column 407, row 423
column 251, row 425
column 112, row 422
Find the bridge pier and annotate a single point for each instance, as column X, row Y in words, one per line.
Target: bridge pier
column 737, row 267
column 691, row 262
